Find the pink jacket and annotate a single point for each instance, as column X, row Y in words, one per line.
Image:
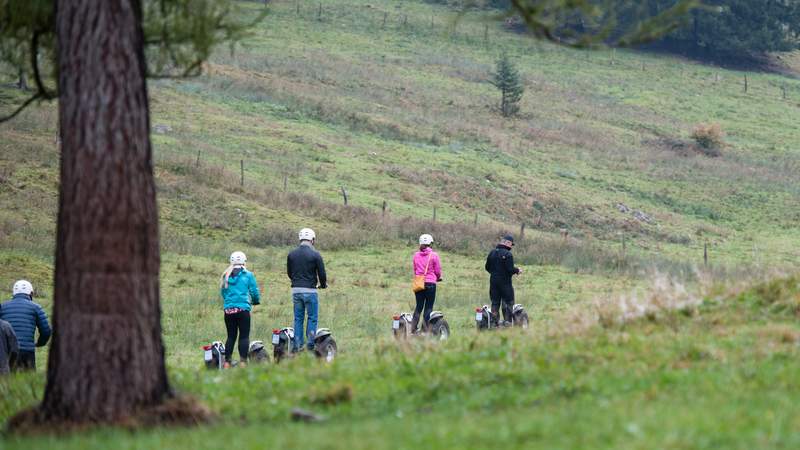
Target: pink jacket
column 434, row 269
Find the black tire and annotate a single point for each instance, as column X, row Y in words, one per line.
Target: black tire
column 258, row 357
column 326, row 349
column 521, row 320
column 279, row 352
column 440, row 330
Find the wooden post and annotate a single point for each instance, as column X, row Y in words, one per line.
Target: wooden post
column 431, row 21
column 522, row 230
column 344, row 195
column 297, row 2
column 285, row 182
column 613, row 55
column 385, row 14
column 705, row 254
column 241, row 167
column 434, row 214
column 643, row 67
column 319, row 13
column 197, row 162
column 745, row 83
column 476, row 219
column 486, row 34
column 783, row 92
column 405, row 20
column 383, row 209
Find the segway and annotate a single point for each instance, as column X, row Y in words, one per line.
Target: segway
column 438, row 326
column 324, row 344
column 281, row 341
column 214, row 355
column 483, row 318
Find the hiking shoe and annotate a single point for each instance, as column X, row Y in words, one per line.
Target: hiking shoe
column 226, row 365
column 242, row 364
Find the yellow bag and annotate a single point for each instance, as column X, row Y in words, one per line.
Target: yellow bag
column 418, row 285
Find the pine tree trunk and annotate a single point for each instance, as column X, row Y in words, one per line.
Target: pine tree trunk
column 107, row 358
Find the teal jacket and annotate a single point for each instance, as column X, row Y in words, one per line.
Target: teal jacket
column 241, row 292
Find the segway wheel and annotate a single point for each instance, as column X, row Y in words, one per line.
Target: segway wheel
column 522, row 321
column 326, row 349
column 441, row 330
column 279, row 353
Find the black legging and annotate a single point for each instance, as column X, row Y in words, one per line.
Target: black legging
column 425, row 301
column 237, row 323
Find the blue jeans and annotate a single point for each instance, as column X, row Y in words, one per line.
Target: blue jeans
column 302, row 303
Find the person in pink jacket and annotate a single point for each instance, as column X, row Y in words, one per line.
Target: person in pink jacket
column 426, row 262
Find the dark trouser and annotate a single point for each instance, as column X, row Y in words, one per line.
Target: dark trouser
column 237, row 323
column 502, row 294
column 25, row 360
column 425, row 301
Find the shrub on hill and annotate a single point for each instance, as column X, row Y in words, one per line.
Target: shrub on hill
column 710, row 138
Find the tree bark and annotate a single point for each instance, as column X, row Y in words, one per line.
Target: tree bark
column 107, row 358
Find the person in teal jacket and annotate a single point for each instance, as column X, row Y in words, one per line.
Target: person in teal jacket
column 239, row 293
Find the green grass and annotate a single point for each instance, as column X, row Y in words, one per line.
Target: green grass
column 404, row 114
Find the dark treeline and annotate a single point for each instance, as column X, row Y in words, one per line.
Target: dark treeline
column 720, row 29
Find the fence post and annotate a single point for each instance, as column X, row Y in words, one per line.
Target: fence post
column 745, row 83
column 285, row 182
column 241, row 168
column 783, row 92
column 476, row 219
column 384, row 20
column 383, row 209
column 319, row 13
column 486, row 34
column 197, row 162
column 705, row 254
column 344, row 195
column 434, row 214
column 624, row 244
column 297, row 9
column 522, row 230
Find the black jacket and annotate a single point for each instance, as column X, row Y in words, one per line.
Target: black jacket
column 304, row 266
column 500, row 264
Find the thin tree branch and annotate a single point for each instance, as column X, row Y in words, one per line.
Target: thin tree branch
column 22, row 107
column 42, row 91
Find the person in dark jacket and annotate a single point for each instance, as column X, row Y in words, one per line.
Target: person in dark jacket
column 305, row 268
column 500, row 265
column 25, row 318
column 9, row 349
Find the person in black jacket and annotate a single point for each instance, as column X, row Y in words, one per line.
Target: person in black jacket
column 305, row 268
column 500, row 265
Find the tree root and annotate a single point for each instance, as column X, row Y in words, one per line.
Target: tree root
column 177, row 411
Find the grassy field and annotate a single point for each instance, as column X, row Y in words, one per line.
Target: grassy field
column 402, row 113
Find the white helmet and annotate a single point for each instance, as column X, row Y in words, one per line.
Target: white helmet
column 426, row 239
column 306, row 234
column 238, row 259
column 23, row 287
